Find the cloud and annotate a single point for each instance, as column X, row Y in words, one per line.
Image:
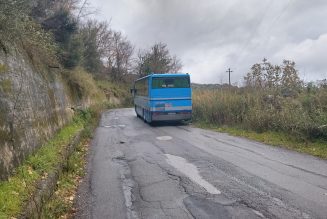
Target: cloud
column 309, row 55
column 213, row 35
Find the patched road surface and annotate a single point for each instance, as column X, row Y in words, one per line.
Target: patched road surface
column 176, row 171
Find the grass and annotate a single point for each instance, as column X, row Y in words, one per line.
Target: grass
column 303, row 116
column 118, row 90
column 295, row 122
column 61, row 205
column 17, row 189
column 83, row 86
column 316, row 148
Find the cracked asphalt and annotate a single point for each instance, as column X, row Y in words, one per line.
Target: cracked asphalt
column 166, row 171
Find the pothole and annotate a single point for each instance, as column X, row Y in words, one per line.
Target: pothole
column 164, row 138
column 192, row 172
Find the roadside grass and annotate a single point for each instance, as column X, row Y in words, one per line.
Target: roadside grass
column 316, row 148
column 61, row 204
column 20, row 186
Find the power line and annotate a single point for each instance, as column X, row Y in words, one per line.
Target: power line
column 280, row 14
column 277, row 18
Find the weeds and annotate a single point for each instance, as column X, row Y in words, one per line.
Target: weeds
column 116, row 90
column 83, row 87
column 304, row 116
column 62, row 202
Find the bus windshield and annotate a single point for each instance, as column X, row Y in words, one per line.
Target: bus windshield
column 170, row 82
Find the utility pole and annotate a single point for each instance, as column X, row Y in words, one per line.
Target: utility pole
column 229, row 71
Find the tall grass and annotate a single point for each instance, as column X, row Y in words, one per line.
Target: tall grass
column 83, row 87
column 303, row 116
column 117, row 90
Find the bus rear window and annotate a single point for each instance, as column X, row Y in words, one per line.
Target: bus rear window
column 165, row 82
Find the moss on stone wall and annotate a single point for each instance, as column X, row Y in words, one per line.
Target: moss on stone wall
column 4, row 136
column 3, row 113
column 6, row 86
column 3, row 68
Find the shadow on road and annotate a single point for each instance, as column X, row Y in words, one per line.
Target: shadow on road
column 169, row 123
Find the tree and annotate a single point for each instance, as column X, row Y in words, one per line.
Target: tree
column 64, row 27
column 254, row 78
column 157, row 60
column 105, row 50
column 290, row 80
column 266, row 76
column 61, row 18
column 119, row 58
column 96, row 37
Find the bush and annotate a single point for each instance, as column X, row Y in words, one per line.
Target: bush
column 83, row 87
column 304, row 116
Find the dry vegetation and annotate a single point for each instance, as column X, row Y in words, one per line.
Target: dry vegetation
column 304, row 116
column 265, row 105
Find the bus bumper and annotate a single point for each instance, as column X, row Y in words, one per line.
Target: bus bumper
column 171, row 116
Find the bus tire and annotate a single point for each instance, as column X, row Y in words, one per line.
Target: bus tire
column 136, row 112
column 144, row 117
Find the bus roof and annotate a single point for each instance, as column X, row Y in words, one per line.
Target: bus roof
column 164, row 75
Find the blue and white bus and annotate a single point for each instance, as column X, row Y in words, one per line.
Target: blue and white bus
column 163, row 97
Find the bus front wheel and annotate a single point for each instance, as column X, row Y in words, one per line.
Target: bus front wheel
column 144, row 117
column 147, row 116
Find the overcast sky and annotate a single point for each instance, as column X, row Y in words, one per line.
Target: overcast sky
column 209, row 36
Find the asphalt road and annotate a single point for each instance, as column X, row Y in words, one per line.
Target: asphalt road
column 177, row 171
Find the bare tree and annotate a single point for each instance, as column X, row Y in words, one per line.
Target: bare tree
column 158, row 60
column 119, row 57
column 95, row 37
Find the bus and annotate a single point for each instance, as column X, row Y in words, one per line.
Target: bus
column 163, row 97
